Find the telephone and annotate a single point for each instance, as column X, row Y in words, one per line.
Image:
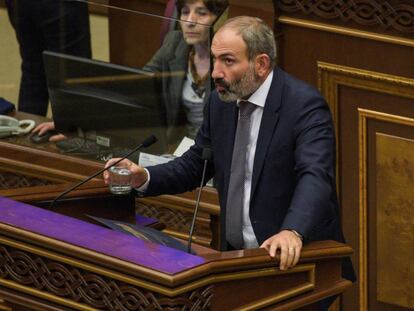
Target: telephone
column 11, row 126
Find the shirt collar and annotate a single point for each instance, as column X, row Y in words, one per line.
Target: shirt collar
column 259, row 96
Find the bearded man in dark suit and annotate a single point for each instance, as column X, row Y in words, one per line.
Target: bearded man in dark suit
column 288, row 186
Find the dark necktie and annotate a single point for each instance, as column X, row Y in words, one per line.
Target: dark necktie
column 235, row 194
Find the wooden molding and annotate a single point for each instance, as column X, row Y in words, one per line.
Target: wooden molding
column 330, row 78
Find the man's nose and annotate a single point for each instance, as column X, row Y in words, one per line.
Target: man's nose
column 217, row 73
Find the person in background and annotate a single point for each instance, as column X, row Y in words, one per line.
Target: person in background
column 273, row 152
column 54, row 25
column 187, row 50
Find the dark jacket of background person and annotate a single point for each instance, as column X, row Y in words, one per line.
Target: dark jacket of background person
column 54, row 25
column 172, row 59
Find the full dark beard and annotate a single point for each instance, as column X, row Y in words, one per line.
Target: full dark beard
column 241, row 88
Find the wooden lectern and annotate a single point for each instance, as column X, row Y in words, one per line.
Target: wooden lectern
column 50, row 261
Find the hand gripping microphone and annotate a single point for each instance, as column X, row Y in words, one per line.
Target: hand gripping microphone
column 146, row 143
column 206, row 156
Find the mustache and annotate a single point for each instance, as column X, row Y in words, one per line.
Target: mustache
column 221, row 82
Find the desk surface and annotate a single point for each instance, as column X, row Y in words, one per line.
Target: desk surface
column 93, row 237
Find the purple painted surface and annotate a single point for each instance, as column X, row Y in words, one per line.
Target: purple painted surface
column 145, row 221
column 99, row 239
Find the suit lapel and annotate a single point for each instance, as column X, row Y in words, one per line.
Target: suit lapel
column 267, row 127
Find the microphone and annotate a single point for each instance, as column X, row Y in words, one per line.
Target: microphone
column 146, row 143
column 206, row 156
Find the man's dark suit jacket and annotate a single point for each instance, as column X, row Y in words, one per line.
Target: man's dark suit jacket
column 293, row 182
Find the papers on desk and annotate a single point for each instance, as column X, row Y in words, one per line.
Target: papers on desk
column 184, row 145
column 146, row 159
column 143, row 233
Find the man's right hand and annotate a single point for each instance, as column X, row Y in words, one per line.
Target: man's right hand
column 138, row 174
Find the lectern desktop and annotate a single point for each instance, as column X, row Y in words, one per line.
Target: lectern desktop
column 50, row 261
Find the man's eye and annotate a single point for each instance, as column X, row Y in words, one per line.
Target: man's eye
column 228, row 61
column 184, row 12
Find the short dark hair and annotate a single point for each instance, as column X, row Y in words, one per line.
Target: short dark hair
column 257, row 35
column 214, row 6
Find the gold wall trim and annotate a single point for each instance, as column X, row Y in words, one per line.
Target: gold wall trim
column 364, row 115
column 330, row 78
column 170, row 292
column 345, row 31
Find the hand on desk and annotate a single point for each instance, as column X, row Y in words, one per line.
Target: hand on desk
column 290, row 246
column 138, row 174
column 45, row 127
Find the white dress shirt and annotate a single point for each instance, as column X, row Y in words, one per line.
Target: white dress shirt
column 258, row 98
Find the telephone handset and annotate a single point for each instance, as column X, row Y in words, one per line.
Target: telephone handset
column 11, row 126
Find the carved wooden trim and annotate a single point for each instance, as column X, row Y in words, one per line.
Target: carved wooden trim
column 82, row 289
column 4, row 306
column 10, row 180
column 177, row 220
column 346, row 31
column 292, row 292
column 331, row 76
column 399, row 17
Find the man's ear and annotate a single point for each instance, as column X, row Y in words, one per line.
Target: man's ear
column 262, row 64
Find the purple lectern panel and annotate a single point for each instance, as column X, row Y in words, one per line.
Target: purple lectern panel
column 93, row 237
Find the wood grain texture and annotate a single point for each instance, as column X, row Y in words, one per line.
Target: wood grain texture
column 395, row 220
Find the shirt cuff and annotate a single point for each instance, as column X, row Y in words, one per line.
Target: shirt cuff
column 143, row 188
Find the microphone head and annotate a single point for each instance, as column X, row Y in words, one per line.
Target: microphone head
column 207, row 153
column 149, row 141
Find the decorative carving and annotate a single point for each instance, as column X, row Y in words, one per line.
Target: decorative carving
column 79, row 286
column 11, row 181
column 172, row 218
column 399, row 17
column 176, row 221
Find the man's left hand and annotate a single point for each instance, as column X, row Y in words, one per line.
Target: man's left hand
column 290, row 246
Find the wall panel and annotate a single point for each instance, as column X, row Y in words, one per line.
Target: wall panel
column 366, row 105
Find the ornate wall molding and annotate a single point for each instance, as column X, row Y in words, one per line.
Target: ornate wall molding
column 330, row 78
column 364, row 116
column 398, row 17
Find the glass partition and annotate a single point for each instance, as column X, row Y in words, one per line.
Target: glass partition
column 110, row 75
